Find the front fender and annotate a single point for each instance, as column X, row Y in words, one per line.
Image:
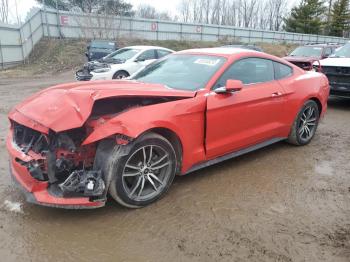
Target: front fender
column 184, row 117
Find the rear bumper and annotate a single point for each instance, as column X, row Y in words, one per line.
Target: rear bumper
column 36, row 191
column 340, row 89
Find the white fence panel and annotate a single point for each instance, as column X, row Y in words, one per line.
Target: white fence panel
column 17, row 43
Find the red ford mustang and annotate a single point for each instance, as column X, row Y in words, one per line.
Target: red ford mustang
column 70, row 145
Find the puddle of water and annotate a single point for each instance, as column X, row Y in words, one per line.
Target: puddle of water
column 324, row 168
column 15, row 207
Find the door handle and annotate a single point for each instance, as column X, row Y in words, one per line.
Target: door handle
column 276, row 94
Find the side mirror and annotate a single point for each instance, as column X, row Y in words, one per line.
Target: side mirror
column 139, row 60
column 230, row 87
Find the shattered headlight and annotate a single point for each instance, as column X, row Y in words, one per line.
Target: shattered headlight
column 101, row 70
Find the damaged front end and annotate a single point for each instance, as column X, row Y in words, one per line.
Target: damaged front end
column 58, row 164
column 60, row 139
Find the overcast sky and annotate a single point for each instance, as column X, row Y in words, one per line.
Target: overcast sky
column 23, row 6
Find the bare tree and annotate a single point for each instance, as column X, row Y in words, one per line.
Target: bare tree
column 4, row 11
column 148, row 11
column 184, row 10
column 260, row 14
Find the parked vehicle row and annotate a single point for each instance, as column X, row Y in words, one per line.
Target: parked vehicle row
column 305, row 56
column 121, row 63
column 331, row 59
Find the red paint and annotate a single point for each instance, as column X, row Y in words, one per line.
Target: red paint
column 154, row 26
column 64, row 20
column 208, row 125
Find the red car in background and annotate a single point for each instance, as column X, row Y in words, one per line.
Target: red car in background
column 71, row 144
column 305, row 56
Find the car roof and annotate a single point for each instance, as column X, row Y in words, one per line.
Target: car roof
column 146, row 47
column 219, row 51
column 323, row 45
column 251, row 47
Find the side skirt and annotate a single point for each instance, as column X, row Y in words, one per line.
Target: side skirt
column 234, row 154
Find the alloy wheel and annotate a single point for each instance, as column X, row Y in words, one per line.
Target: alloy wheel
column 307, row 123
column 146, row 172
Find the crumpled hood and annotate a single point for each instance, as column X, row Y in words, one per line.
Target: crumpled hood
column 68, row 106
column 301, row 59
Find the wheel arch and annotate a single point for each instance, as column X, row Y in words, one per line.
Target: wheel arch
column 121, row 70
column 318, row 102
column 173, row 138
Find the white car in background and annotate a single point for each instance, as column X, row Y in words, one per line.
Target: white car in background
column 337, row 69
column 121, row 63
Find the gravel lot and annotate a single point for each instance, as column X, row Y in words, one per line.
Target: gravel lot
column 281, row 203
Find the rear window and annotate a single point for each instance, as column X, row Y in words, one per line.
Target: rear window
column 102, row 44
column 282, row 70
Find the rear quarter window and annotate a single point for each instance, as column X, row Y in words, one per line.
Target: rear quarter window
column 282, row 70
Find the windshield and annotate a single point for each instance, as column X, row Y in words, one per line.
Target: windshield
column 102, row 44
column 185, row 72
column 342, row 52
column 307, row 51
column 123, row 54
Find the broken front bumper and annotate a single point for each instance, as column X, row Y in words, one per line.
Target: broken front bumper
column 38, row 192
column 83, row 75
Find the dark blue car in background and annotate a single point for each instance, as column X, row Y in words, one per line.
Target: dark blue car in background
column 97, row 49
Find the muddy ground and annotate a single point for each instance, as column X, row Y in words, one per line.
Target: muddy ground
column 281, row 203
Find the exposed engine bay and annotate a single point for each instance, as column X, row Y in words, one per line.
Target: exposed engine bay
column 63, row 161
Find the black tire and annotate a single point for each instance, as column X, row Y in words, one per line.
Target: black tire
column 122, row 186
column 120, row 75
column 297, row 136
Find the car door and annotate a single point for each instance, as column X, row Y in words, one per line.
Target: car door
column 142, row 60
column 327, row 52
column 161, row 53
column 247, row 117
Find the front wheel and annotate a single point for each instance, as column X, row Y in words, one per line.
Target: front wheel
column 305, row 124
column 120, row 75
column 145, row 174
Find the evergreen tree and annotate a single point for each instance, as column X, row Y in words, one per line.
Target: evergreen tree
column 339, row 18
column 306, row 17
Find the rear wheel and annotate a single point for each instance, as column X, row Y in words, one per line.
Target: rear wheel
column 305, row 124
column 120, row 75
column 145, row 174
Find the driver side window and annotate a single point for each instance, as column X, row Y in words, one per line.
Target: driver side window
column 147, row 55
column 249, row 71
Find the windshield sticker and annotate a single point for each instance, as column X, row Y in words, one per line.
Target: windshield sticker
column 111, row 43
column 208, row 62
column 317, row 48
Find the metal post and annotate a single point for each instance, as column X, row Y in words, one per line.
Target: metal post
column 22, row 44
column 202, row 27
column 42, row 22
column 181, row 34
column 218, row 33
column 2, row 57
column 46, row 20
column 157, row 30
column 31, row 32
column 58, row 21
column 130, row 27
